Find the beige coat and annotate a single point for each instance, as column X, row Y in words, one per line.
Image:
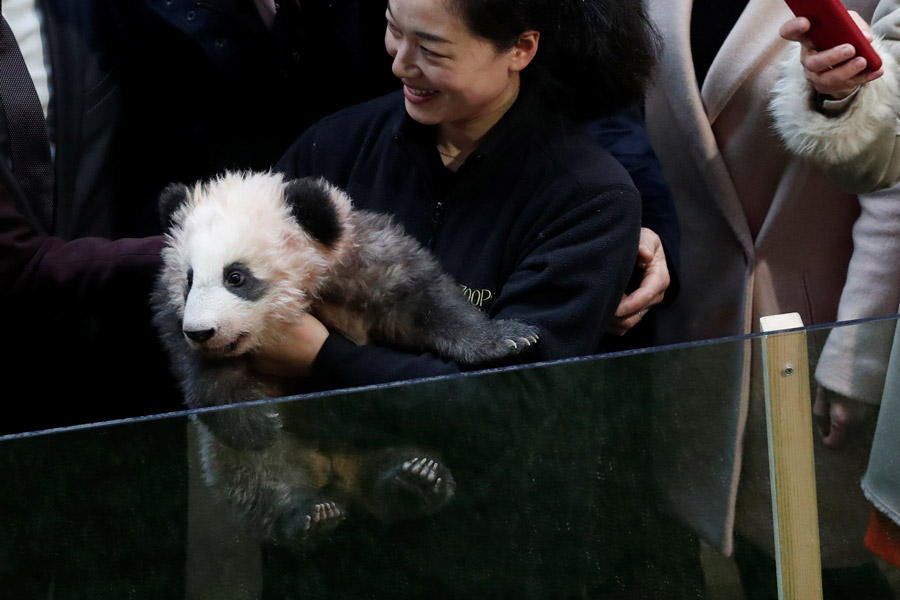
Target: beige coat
column 762, row 234
column 867, row 159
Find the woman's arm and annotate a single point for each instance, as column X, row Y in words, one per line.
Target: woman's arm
column 625, row 137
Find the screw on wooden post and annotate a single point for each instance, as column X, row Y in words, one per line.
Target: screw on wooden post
column 791, row 462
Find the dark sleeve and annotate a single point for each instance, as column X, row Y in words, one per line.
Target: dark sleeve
column 568, row 284
column 81, row 275
column 624, row 136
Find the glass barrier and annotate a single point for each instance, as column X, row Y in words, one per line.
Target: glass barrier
column 618, row 476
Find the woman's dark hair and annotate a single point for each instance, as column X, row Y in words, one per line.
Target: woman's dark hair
column 594, row 56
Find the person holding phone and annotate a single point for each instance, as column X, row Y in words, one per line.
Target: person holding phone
column 859, row 105
column 763, row 233
column 848, row 128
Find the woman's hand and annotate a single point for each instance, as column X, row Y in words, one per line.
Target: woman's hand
column 293, row 356
column 836, row 415
column 833, row 72
column 656, row 279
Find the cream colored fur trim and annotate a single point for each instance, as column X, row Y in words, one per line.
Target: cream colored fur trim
column 831, row 140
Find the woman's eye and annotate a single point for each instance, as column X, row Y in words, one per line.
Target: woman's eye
column 394, row 31
column 235, row 279
column 431, row 53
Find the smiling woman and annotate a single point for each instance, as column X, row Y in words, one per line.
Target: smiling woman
column 451, row 78
column 483, row 157
column 461, row 61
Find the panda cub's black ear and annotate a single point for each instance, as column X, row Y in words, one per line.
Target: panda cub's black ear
column 311, row 206
column 170, row 199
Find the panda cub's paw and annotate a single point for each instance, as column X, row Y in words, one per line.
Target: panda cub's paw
column 413, row 487
column 324, row 517
column 310, row 523
column 517, row 336
column 490, row 341
column 507, row 337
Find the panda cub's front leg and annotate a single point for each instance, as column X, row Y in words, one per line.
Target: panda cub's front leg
column 461, row 332
column 411, row 302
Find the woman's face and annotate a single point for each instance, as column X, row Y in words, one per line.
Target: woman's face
column 450, row 77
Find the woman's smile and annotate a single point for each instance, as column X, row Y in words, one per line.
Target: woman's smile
column 452, row 78
column 417, row 95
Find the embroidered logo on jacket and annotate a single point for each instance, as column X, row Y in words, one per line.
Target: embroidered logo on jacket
column 477, row 297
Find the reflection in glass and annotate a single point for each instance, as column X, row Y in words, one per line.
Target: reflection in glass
column 579, row 479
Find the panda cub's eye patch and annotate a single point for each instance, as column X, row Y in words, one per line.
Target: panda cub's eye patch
column 190, row 280
column 240, row 281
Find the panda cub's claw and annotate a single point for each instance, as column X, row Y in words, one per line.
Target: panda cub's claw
column 309, row 524
column 324, row 517
column 520, row 344
column 517, row 337
column 494, row 340
column 413, row 487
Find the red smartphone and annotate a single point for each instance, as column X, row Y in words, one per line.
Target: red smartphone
column 831, row 25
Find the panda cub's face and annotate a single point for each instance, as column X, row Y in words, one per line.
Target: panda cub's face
column 226, row 300
column 242, row 259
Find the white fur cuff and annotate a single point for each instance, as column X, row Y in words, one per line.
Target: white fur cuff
column 812, row 135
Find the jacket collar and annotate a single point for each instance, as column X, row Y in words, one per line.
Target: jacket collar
column 752, row 42
column 511, row 134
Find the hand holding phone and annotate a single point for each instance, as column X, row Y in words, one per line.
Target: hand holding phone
column 834, row 47
column 831, row 25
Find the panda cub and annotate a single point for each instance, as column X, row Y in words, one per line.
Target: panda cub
column 248, row 253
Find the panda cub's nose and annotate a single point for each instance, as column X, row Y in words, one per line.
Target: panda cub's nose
column 200, row 335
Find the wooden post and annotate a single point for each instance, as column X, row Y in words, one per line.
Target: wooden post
column 791, row 462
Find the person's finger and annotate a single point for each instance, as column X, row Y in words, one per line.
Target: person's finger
column 842, row 80
column 621, row 325
column 827, row 60
column 821, row 413
column 635, row 301
column 646, row 253
column 866, row 77
column 795, row 30
column 838, row 423
column 650, row 293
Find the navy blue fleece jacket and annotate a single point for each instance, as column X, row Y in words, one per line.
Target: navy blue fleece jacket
column 539, row 224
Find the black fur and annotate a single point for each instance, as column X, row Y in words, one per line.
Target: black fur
column 313, row 210
column 171, row 198
column 239, row 279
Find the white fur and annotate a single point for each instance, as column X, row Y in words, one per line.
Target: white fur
column 837, row 139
